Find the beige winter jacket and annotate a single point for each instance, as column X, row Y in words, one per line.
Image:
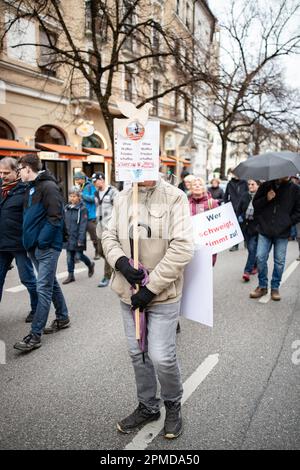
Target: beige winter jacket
column 165, row 210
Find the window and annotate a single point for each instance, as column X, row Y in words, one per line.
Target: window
column 155, row 45
column 128, row 84
column 93, row 141
column 187, row 18
column 6, row 131
column 50, row 135
column 100, row 22
column 177, row 7
column 128, row 44
column 155, row 92
column 186, row 109
column 21, row 40
column 47, row 55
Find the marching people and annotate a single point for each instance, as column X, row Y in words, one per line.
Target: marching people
column 43, row 229
column 104, row 195
column 76, row 225
column 164, row 216
column 12, row 193
column 277, row 207
column 233, row 193
column 216, row 191
column 88, row 196
column 248, row 222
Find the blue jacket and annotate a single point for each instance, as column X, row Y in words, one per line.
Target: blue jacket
column 88, row 196
column 76, row 224
column 11, row 218
column 43, row 214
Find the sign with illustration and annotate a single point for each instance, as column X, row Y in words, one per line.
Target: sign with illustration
column 136, row 152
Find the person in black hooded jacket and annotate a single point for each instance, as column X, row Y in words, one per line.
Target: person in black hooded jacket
column 12, row 193
column 233, row 193
column 43, row 233
column 277, row 208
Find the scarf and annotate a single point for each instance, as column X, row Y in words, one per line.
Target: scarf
column 250, row 209
column 6, row 188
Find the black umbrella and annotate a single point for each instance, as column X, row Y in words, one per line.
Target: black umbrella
column 269, row 166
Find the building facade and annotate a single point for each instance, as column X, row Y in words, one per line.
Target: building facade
column 48, row 109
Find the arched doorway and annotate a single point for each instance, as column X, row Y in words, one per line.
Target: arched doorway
column 6, row 132
column 50, row 135
column 93, row 141
column 59, row 168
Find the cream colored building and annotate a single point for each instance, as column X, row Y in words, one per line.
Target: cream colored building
column 41, row 109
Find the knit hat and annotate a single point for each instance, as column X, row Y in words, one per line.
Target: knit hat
column 79, row 175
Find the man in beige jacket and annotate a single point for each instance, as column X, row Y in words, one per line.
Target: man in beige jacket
column 164, row 209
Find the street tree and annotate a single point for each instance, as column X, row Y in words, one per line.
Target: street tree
column 254, row 37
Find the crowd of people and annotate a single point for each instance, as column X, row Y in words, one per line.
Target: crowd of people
column 36, row 225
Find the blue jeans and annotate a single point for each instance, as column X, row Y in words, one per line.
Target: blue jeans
column 71, row 259
column 263, row 249
column 25, row 270
column 252, row 249
column 48, row 289
column 161, row 357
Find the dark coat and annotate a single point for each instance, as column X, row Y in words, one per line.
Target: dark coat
column 76, row 218
column 217, row 193
column 276, row 217
column 234, row 191
column 11, row 218
column 43, row 214
column 249, row 227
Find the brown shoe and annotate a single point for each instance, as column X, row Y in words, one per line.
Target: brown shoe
column 275, row 294
column 258, row 292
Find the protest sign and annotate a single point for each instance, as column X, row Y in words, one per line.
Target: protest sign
column 197, row 295
column 217, row 229
column 136, row 152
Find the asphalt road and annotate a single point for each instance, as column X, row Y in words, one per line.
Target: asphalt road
column 69, row 393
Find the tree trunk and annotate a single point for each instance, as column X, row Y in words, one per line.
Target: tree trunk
column 223, row 158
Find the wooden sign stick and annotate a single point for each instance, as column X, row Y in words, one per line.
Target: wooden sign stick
column 135, row 200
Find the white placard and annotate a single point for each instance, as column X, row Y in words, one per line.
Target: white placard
column 217, row 229
column 197, row 294
column 136, row 160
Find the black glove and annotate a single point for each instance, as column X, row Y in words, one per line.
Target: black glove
column 142, row 298
column 133, row 276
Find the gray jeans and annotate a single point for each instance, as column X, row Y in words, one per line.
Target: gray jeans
column 161, row 356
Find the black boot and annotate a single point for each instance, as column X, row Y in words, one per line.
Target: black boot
column 91, row 269
column 139, row 417
column 69, row 279
column 173, row 420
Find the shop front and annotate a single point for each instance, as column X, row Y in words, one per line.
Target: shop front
column 60, row 161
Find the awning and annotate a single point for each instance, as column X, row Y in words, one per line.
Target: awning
column 12, row 148
column 181, row 160
column 65, row 151
column 166, row 161
column 107, row 154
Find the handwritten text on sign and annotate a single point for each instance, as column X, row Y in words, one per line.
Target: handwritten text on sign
column 217, row 229
column 137, row 160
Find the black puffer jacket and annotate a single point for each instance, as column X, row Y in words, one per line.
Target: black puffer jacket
column 276, row 217
column 234, row 191
column 11, row 218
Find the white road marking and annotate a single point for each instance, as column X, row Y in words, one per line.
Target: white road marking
column 285, row 276
column 151, row 430
column 58, row 276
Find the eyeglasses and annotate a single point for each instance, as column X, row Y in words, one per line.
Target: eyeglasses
column 21, row 168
